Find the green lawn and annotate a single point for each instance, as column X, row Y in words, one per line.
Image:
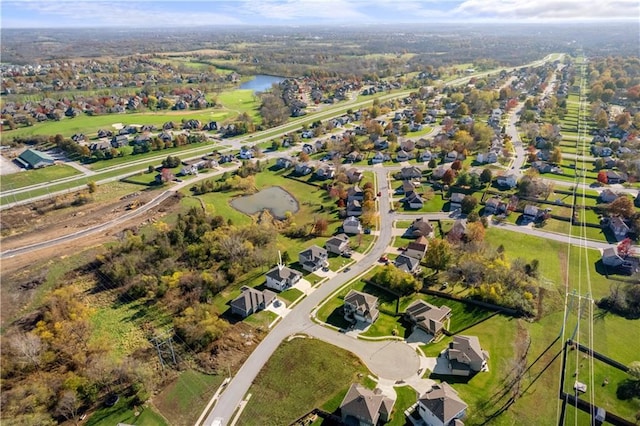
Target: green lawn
column 240, row 101
column 290, row 295
column 32, row 177
column 182, row 401
column 406, row 397
column 123, row 412
column 301, row 375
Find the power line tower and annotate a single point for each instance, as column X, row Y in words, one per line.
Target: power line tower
column 164, row 347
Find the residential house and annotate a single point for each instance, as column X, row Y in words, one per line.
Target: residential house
column 354, row 175
column 313, row 258
column 455, row 202
column 355, row 193
column 119, row 141
column 364, row 407
column 407, row 264
column 354, row 208
column 379, row 158
column 337, row 244
column 439, row 171
column 410, row 173
column 427, row 317
column 403, row 155
column 100, row 146
column 34, row 159
column 541, row 166
column 487, row 157
column 407, row 145
column 465, row 356
column 508, row 181
column 246, row 153
column 601, row 151
column 325, row 171
column 608, row 196
column 426, row 155
column 353, row 157
column 458, row 230
column 303, row 169
column 413, row 201
column 359, row 306
column 420, row 228
column 619, row 228
column 251, row 300
column 352, row 225
column 407, row 188
column 418, row 248
column 614, row 177
column 610, row 257
column 282, row 277
column 441, row 406
column 531, row 212
column 491, row 206
column 284, row 163
column 451, row 156
column 308, row 149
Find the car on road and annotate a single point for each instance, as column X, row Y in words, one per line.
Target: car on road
column 347, row 254
column 384, row 258
column 347, row 269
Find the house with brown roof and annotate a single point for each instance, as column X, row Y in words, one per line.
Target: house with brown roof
column 418, row 248
column 359, row 306
column 607, row 196
column 465, row 356
column 251, row 300
column 420, row 227
column 441, row 406
column 427, row 317
column 364, row 407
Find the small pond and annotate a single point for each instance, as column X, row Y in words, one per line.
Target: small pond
column 275, row 199
column 261, row 82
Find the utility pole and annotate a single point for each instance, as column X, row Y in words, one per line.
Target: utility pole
column 164, row 347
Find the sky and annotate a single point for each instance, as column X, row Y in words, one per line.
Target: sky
column 177, row 13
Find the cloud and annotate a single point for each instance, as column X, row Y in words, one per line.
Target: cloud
column 306, row 11
column 545, row 10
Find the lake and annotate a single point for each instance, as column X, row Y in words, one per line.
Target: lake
column 275, row 199
column 261, row 82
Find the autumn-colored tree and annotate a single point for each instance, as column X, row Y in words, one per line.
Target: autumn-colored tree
column 602, row 177
column 556, row 156
column 469, row 202
column 303, row 157
column 439, row 256
column 448, row 177
column 475, row 232
column 621, row 206
column 320, row 226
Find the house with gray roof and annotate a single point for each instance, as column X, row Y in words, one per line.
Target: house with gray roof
column 251, row 300
column 282, row 277
column 337, row 244
column 313, row 258
column 352, row 225
column 407, row 264
column 441, row 406
column 465, row 356
column 364, row 407
column 34, row 159
column 420, row 227
column 359, row 306
column 427, row 317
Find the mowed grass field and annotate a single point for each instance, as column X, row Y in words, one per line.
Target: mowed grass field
column 31, row 177
column 301, row 375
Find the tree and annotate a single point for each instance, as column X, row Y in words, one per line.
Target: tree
column 475, row 232
column 556, row 156
column 439, row 256
column 621, row 206
column 448, row 177
column 469, row 202
column 397, row 280
column 486, row 176
column 602, row 177
column 320, row 226
column 634, row 370
column 92, row 186
column 68, row 406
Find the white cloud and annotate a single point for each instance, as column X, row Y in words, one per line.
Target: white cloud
column 546, row 10
column 307, row 10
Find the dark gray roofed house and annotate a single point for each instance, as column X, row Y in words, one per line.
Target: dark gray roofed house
column 34, row 159
column 465, row 355
column 418, row 248
column 281, row 277
column 441, row 405
column 251, row 300
column 420, row 228
column 313, row 258
column 428, row 317
column 337, row 244
column 360, row 306
column 364, row 407
column 407, row 264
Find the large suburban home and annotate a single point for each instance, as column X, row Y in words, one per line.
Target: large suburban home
column 413, row 201
column 531, row 212
column 441, row 406
column 428, row 317
column 379, row 158
column 313, row 258
column 354, row 208
column 351, row 226
column 619, row 228
column 281, row 277
column 465, row 356
column 402, row 156
column 507, row 181
column 607, row 196
column 426, row 155
column 610, row 257
column 455, row 202
column 407, row 264
column 410, row 173
column 325, row 171
column 491, row 206
column 420, row 228
column 337, row 244
column 34, row 159
column 364, row 407
column 614, row 177
column 360, row 306
column 284, row 163
column 355, row 193
column 418, row 248
column 251, row 300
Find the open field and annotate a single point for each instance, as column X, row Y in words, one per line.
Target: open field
column 301, row 375
column 32, row 177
